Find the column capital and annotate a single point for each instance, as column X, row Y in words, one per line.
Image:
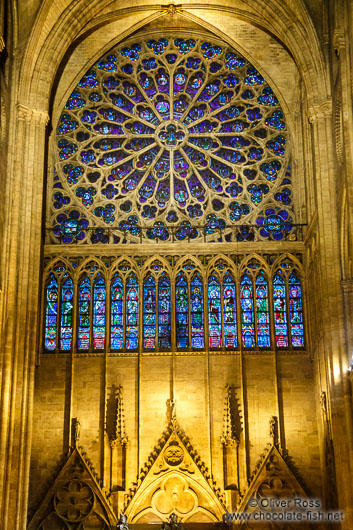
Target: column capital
column 32, row 115
column 347, row 286
column 321, row 111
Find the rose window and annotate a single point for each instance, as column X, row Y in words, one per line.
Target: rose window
column 171, row 139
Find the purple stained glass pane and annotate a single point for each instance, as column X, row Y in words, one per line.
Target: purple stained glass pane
column 196, row 313
column 214, row 312
column 132, row 314
column 149, row 313
column 99, row 295
column 182, row 312
column 296, row 311
column 164, row 313
column 66, row 311
column 263, row 318
column 229, row 313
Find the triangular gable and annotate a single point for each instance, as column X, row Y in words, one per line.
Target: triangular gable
column 272, row 478
column 75, row 497
column 174, row 479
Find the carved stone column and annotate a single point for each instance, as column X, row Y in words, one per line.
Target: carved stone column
column 19, row 306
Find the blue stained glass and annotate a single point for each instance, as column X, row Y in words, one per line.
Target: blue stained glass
column 214, row 312
column 247, row 312
column 263, row 319
column 117, row 312
column 84, row 314
column 280, row 311
column 296, row 311
column 99, row 295
column 67, row 294
column 164, row 313
column 196, row 313
column 149, row 313
column 182, row 312
column 132, row 314
column 51, row 311
column 229, row 313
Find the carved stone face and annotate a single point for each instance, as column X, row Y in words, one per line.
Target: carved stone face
column 173, row 455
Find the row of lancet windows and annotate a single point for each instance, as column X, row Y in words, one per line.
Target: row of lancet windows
column 251, row 314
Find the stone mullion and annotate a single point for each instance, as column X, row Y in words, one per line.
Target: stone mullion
column 22, row 270
column 331, row 300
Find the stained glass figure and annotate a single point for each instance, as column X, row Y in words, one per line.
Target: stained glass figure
column 116, row 315
column 214, row 312
column 132, row 313
column 99, row 295
column 84, row 316
column 229, row 312
column 164, row 314
column 296, row 311
column 149, row 313
column 247, row 312
column 182, row 312
column 67, row 295
column 196, row 313
column 51, row 311
column 164, row 132
column 263, row 319
column 280, row 311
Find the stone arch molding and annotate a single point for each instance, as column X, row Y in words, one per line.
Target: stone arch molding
column 174, row 480
column 56, row 33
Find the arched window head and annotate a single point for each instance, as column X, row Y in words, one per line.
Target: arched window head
column 51, row 314
column 296, row 311
column 84, row 314
column 132, row 313
column 66, row 314
column 171, row 139
column 280, row 311
column 117, row 314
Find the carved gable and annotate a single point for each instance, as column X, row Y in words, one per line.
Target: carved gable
column 272, row 479
column 75, row 500
column 175, row 480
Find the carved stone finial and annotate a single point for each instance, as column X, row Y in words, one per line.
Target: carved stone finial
column 76, row 431
column 172, row 523
column 122, row 523
column 115, row 424
column 274, row 430
column 171, row 10
column 231, row 420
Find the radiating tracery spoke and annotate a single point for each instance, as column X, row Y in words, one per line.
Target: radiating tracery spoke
column 172, row 131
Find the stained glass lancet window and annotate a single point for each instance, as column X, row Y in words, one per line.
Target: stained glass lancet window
column 296, row 311
column 84, row 314
column 67, row 295
column 263, row 319
column 51, row 312
column 214, row 312
column 182, row 312
column 117, row 312
column 196, row 313
column 280, row 311
column 164, row 313
column 99, row 295
column 171, row 131
column 247, row 312
column 149, row 313
column 132, row 313
column 229, row 312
